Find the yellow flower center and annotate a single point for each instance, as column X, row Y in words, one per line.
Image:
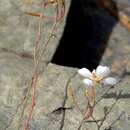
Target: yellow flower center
column 94, row 77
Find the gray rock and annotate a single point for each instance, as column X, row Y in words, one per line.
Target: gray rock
column 115, row 100
column 54, row 107
column 14, row 76
column 52, row 90
column 18, row 30
column 117, row 54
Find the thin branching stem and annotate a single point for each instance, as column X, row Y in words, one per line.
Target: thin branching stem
column 36, row 61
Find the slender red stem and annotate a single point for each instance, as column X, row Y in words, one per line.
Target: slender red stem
column 37, row 60
column 34, row 81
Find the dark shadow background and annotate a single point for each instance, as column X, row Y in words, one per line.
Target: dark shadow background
column 85, row 36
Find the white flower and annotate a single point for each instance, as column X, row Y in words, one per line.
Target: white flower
column 85, row 72
column 100, row 75
column 88, row 82
column 102, row 71
column 110, row 81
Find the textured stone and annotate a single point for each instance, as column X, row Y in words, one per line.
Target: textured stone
column 54, row 106
column 18, row 30
column 52, row 87
column 117, row 54
column 115, row 99
column 15, row 74
column 55, row 109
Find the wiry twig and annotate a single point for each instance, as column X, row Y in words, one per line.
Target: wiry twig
column 36, row 67
column 107, row 112
column 37, row 59
column 73, row 99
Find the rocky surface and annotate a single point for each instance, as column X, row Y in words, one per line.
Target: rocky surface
column 55, row 109
column 123, row 6
column 18, row 30
column 117, row 54
column 54, row 106
column 14, row 76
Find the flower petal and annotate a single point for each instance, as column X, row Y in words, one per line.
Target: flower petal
column 85, row 72
column 110, row 81
column 88, row 82
column 102, row 71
